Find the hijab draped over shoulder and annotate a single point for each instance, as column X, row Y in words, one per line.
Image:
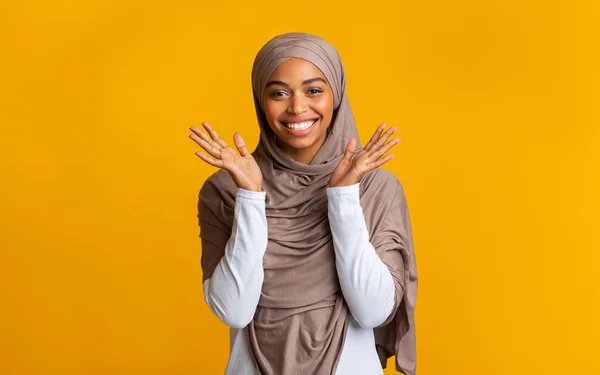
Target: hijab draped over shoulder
column 301, row 319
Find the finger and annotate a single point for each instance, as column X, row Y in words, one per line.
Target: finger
column 195, row 129
column 375, row 137
column 375, row 154
column 383, row 138
column 379, row 162
column 210, row 144
column 202, row 135
column 240, row 144
column 214, row 135
column 350, row 148
column 207, row 144
column 209, row 160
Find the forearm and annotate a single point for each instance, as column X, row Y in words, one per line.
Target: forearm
column 233, row 290
column 366, row 282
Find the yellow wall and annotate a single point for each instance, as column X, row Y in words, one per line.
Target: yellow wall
column 497, row 105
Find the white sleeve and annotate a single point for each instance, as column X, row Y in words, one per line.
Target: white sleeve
column 366, row 282
column 233, row 290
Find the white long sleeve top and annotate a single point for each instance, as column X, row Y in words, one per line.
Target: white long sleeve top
column 233, row 290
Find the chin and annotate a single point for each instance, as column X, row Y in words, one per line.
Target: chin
column 300, row 144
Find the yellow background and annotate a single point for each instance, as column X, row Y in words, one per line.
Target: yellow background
column 497, row 107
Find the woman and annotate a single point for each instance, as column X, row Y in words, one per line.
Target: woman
column 307, row 249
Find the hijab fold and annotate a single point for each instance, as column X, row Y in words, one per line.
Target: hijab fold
column 301, row 319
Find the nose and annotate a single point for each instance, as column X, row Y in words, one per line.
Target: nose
column 298, row 104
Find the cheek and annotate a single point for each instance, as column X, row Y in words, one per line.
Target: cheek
column 325, row 106
column 271, row 111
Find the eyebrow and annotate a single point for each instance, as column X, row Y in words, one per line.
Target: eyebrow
column 306, row 82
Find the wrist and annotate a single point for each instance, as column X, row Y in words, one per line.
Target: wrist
column 251, row 194
column 343, row 189
column 348, row 182
column 256, row 189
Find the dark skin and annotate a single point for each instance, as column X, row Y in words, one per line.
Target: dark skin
column 299, row 91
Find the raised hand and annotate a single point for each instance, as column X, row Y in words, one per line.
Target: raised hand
column 350, row 169
column 240, row 164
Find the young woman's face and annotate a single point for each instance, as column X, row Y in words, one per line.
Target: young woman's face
column 298, row 105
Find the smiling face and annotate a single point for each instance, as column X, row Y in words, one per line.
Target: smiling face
column 298, row 104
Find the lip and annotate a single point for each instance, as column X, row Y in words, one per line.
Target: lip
column 301, row 133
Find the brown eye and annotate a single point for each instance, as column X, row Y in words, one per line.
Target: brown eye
column 314, row 91
column 277, row 94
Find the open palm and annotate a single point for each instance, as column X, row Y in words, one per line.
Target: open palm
column 351, row 168
column 240, row 163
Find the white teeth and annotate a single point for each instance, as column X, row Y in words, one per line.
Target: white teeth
column 301, row 125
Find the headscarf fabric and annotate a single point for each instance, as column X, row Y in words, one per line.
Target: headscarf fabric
column 300, row 323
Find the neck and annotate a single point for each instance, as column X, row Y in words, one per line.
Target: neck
column 301, row 155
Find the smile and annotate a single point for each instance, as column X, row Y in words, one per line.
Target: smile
column 300, row 129
column 301, row 125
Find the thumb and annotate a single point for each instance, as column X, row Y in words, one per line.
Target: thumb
column 240, row 144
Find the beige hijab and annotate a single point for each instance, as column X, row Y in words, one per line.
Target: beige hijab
column 300, row 323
